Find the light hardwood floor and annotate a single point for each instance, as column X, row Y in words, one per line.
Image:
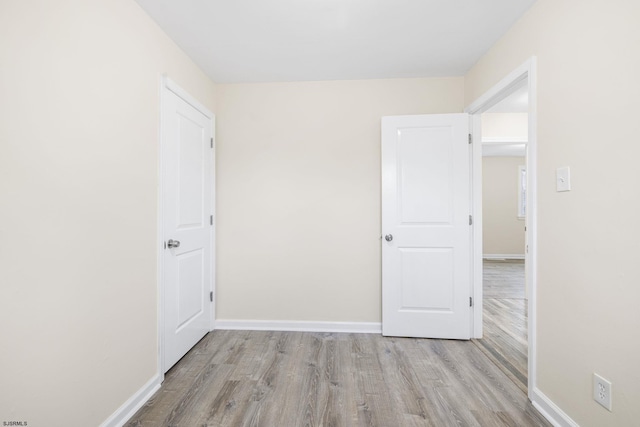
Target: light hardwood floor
column 505, row 318
column 282, row 379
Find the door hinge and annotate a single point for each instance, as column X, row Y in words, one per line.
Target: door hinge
column 211, row 142
column 470, row 301
column 211, row 220
column 470, row 220
column 211, row 296
column 470, row 138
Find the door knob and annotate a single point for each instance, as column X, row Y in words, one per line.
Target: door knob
column 388, row 237
column 173, row 244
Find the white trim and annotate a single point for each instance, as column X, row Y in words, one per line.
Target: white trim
column 300, row 326
column 504, row 140
column 212, row 321
column 135, row 402
column 525, row 73
column 531, row 222
column 160, row 242
column 503, row 256
column 503, row 89
column 551, row 411
column 173, row 87
column 476, row 212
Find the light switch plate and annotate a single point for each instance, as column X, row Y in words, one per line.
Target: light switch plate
column 563, row 179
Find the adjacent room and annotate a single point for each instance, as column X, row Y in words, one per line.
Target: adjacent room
column 292, row 213
column 504, row 151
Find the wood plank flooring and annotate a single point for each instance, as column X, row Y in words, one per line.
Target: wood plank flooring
column 503, row 279
column 505, row 319
column 282, row 379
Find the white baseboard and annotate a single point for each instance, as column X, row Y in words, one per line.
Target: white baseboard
column 551, row 411
column 301, row 326
column 503, row 256
column 135, row 402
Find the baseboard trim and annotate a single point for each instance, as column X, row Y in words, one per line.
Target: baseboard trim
column 300, row 326
column 551, row 411
column 135, row 402
column 503, row 256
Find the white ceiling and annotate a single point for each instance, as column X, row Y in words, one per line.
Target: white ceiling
column 299, row 40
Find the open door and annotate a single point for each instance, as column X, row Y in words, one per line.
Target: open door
column 187, row 223
column 426, row 226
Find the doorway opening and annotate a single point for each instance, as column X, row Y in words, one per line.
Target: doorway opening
column 504, row 150
column 504, row 207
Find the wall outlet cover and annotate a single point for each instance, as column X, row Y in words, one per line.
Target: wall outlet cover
column 602, row 391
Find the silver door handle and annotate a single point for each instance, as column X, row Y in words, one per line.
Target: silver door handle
column 388, row 237
column 173, row 244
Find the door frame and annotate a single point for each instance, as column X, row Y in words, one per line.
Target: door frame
column 524, row 73
column 168, row 85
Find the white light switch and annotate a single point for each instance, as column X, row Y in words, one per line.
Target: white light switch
column 563, row 179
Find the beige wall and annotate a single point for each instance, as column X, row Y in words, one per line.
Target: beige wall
column 588, row 93
column 298, row 169
column 79, row 116
column 502, row 230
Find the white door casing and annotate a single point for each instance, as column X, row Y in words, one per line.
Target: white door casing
column 426, row 228
column 186, row 217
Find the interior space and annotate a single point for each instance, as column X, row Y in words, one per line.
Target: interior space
column 319, row 213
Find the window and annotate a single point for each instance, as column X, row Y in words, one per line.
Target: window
column 522, row 192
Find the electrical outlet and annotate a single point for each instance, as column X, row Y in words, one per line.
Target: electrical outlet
column 602, row 391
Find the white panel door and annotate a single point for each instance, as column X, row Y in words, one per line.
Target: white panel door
column 187, row 162
column 425, row 225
